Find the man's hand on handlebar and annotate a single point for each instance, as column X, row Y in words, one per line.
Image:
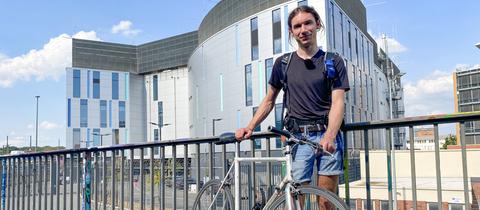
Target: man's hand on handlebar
column 243, row 133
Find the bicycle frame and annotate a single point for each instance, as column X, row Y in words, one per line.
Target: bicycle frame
column 237, row 160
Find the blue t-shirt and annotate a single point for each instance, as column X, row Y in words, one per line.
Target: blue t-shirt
column 308, row 96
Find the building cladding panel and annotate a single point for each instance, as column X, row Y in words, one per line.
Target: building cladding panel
column 166, row 53
column 467, row 90
column 103, row 55
column 228, row 12
column 163, row 54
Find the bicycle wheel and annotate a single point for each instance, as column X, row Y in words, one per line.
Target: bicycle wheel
column 311, row 199
column 206, row 194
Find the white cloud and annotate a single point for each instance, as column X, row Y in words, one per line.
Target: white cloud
column 124, row 27
column 393, row 45
column 40, row 64
column 433, row 95
column 49, row 125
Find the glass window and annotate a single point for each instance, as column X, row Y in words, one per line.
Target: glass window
column 76, row 83
column 303, row 3
column 96, row 84
column 356, row 47
column 456, row 206
column 432, row 206
column 268, row 71
column 88, row 84
column 384, row 205
column 76, row 138
column 254, row 38
column 155, row 87
column 121, row 114
column 353, row 204
column 114, row 85
column 156, row 137
column 278, row 122
column 83, row 113
column 155, row 134
column 103, row 113
column 248, row 85
column 332, row 28
column 96, row 137
column 160, row 113
column 110, row 113
column 349, row 27
column 69, row 112
column 277, row 31
column 343, row 37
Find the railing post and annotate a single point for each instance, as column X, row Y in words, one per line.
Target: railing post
column 104, row 180
column 367, row 170
column 14, row 177
column 389, row 167
column 174, row 176
column 185, row 177
column 72, row 157
column 9, row 182
column 413, row 168
column 34, row 184
column 152, row 178
column 346, row 166
column 437, row 165
column 57, row 191
column 269, row 169
column 162, row 175
column 142, row 181
column 87, row 169
column 113, row 179
column 64, row 180
column 96, row 176
column 122, row 179
column 79, row 178
column 463, row 143
column 131, row 179
column 253, row 190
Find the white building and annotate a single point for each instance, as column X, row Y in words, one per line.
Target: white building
column 219, row 71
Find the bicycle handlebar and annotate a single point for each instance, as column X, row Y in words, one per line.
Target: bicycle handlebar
column 279, row 132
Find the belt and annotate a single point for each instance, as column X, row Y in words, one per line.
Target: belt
column 311, row 128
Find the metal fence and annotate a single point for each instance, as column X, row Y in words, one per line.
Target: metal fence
column 137, row 177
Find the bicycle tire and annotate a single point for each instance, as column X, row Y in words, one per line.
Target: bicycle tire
column 215, row 184
column 312, row 191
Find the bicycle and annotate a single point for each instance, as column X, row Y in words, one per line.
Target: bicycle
column 286, row 194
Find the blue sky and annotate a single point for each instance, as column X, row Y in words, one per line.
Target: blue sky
column 428, row 40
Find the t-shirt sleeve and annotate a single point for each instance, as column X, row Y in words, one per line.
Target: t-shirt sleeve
column 342, row 81
column 276, row 77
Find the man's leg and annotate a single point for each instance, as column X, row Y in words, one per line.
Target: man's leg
column 329, row 183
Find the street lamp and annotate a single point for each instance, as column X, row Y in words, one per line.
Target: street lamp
column 160, row 129
column 101, row 137
column 478, row 45
column 213, row 125
column 36, row 126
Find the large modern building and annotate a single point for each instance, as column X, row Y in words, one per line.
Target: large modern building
column 175, row 87
column 466, row 87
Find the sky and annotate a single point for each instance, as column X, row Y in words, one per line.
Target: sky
column 427, row 39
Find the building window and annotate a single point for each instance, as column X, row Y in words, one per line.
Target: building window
column 349, row 27
column 303, row 3
column 286, row 39
column 96, row 84
column 433, row 206
column 96, row 137
column 258, row 142
column 221, row 92
column 155, row 134
column 254, row 38
column 83, row 113
column 356, row 46
column 343, row 37
column 160, row 113
column 76, row 83
column 103, row 113
column 88, row 84
column 456, row 206
column 121, row 114
column 354, row 85
column 114, row 85
column 110, row 113
column 332, row 12
column 69, row 112
column 268, row 71
column 248, row 85
column 76, row 138
column 278, row 122
column 155, row 87
column 383, row 205
column 277, row 31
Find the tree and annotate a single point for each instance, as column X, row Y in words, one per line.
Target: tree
column 449, row 140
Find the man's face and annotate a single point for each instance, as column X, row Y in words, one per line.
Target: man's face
column 304, row 29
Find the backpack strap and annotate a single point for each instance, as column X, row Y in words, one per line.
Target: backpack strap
column 285, row 64
column 330, row 71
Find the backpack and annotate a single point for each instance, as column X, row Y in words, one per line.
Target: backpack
column 330, row 73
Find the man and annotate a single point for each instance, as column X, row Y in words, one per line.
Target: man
column 315, row 103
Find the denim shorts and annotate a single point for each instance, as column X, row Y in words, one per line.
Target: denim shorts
column 304, row 159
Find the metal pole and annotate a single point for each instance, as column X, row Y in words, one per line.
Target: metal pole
column 152, row 179
column 36, row 126
column 412, row 168
column 466, row 189
column 389, row 171
column 131, row 178
column 437, row 165
column 162, row 174
column 34, row 182
column 185, row 175
column 390, row 86
column 174, row 176
column 122, row 179
column 142, row 182
column 114, row 172
column 367, row 170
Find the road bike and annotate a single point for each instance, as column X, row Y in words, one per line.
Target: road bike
column 216, row 194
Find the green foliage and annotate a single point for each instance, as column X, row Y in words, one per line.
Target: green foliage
column 449, row 140
column 5, row 151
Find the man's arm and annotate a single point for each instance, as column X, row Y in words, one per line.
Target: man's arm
column 335, row 118
column 262, row 112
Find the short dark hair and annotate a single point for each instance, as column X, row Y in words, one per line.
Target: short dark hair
column 303, row 8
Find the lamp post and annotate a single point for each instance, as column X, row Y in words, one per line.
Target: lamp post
column 101, row 136
column 478, row 45
column 160, row 129
column 36, row 126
